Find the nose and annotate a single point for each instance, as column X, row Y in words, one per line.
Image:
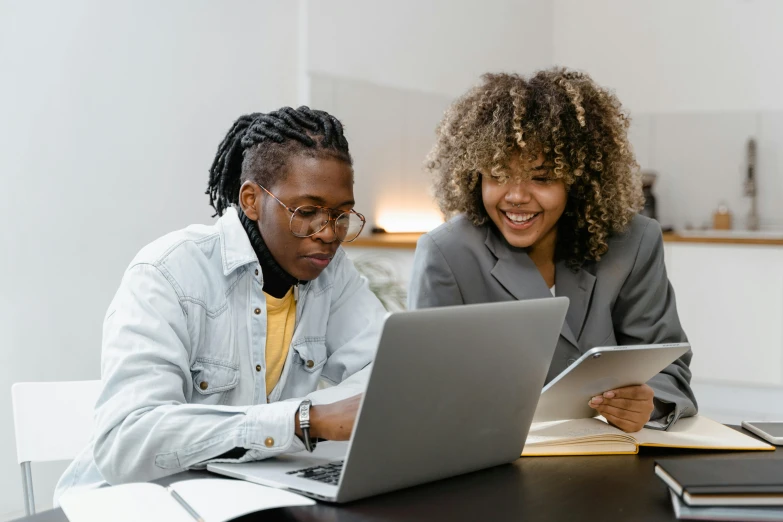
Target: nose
column 518, row 192
column 327, row 234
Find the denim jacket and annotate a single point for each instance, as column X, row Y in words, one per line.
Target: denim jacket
column 183, row 363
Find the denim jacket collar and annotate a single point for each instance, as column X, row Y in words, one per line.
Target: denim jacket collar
column 235, row 247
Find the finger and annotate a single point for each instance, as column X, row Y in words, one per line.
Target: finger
column 630, row 416
column 623, row 424
column 640, row 392
column 628, row 404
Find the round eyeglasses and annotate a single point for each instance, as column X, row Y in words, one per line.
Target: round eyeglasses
column 309, row 220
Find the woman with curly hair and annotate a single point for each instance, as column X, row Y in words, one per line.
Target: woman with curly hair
column 542, row 190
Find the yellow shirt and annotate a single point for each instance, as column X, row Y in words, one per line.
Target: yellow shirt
column 280, row 319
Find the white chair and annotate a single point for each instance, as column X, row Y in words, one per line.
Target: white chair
column 52, row 421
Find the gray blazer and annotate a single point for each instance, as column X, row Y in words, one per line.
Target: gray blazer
column 623, row 299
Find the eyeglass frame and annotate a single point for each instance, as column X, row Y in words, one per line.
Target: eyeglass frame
column 330, row 212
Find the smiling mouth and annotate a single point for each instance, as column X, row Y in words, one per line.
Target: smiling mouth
column 520, row 218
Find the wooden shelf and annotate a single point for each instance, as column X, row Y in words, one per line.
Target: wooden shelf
column 673, row 237
column 408, row 240
column 390, row 240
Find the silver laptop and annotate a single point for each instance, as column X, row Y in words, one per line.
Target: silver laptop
column 452, row 390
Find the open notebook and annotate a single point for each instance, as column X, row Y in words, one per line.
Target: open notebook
column 207, row 500
column 596, row 437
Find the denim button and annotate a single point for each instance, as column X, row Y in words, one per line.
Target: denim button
column 258, row 367
column 257, row 311
column 310, row 364
column 203, row 385
column 269, row 442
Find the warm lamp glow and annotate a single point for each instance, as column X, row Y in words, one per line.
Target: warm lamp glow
column 399, row 220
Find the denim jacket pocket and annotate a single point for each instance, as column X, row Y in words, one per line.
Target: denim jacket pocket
column 310, row 354
column 212, row 377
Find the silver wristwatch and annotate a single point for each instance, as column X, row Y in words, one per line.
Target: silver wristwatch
column 304, row 424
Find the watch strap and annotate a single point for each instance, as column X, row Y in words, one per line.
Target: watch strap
column 304, row 425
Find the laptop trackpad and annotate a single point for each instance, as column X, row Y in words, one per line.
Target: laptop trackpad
column 324, row 452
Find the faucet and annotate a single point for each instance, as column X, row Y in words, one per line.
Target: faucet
column 750, row 186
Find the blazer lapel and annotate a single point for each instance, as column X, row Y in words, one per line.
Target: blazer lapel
column 515, row 270
column 519, row 275
column 578, row 287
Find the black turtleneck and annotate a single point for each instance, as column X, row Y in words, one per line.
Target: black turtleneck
column 277, row 282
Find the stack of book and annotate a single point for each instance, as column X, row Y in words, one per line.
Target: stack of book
column 713, row 488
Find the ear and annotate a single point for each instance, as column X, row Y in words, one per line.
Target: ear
column 250, row 200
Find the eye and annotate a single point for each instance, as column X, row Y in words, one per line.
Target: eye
column 307, row 211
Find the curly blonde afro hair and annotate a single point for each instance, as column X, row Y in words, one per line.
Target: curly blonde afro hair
column 581, row 129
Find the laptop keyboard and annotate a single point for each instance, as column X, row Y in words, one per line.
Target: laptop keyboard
column 327, row 473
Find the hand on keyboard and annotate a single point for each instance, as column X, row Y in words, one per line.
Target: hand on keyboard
column 328, row 473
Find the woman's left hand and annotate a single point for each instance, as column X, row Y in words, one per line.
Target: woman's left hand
column 627, row 408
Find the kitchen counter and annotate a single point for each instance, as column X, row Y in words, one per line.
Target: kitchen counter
column 408, row 240
column 729, row 291
column 728, row 237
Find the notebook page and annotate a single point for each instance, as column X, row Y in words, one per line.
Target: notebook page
column 218, row 500
column 124, row 503
column 585, row 448
column 574, row 430
column 699, row 432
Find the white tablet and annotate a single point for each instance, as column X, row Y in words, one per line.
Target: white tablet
column 602, row 369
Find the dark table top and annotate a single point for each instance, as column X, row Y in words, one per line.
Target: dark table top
column 612, row 488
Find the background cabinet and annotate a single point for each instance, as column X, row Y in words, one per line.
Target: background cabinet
column 730, row 302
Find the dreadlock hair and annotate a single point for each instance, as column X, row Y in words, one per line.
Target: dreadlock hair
column 259, row 145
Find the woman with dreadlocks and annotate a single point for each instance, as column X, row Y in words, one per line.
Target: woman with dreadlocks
column 219, row 334
column 544, row 192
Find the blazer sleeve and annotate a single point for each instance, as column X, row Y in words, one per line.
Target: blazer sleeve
column 646, row 313
column 432, row 282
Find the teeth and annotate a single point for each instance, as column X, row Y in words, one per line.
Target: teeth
column 520, row 218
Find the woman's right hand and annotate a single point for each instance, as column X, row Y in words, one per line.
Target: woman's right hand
column 627, row 408
column 333, row 421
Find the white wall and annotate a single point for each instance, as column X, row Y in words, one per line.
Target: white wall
column 700, row 78
column 701, row 159
column 390, row 131
column 111, row 114
column 439, row 46
column 388, row 70
column 674, row 56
